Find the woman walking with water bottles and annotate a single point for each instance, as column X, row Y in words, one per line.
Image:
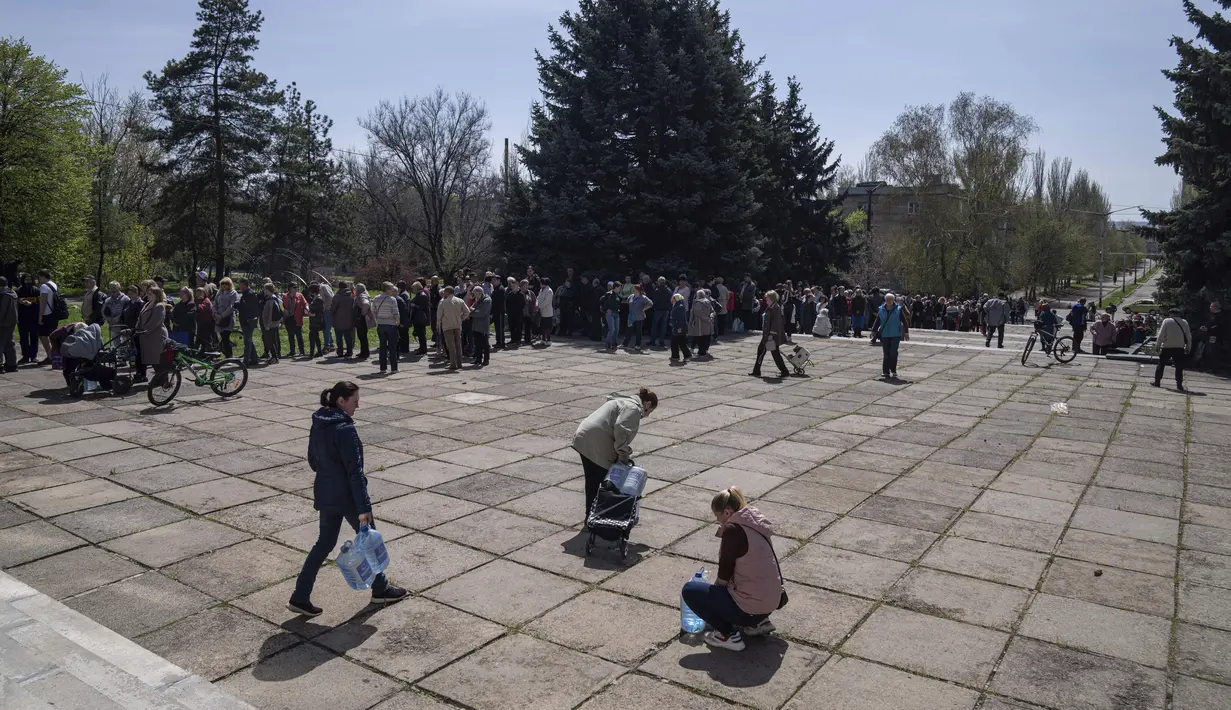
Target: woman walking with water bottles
column 748, row 587
column 340, row 492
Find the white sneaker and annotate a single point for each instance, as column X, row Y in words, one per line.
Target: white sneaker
column 734, row 642
column 761, row 629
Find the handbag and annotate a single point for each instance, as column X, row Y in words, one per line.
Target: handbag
column 784, row 598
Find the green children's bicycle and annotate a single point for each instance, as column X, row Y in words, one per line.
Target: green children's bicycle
column 225, row 377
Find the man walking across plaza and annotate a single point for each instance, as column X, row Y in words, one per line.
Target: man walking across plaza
column 995, row 315
column 1175, row 340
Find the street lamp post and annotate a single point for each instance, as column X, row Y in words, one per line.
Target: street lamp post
column 871, row 186
column 1102, row 235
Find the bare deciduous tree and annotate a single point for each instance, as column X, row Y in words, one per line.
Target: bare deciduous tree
column 437, row 148
column 123, row 189
column 978, row 146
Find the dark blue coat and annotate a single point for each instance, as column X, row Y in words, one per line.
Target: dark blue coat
column 335, row 453
column 679, row 319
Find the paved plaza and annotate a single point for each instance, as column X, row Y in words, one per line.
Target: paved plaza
column 948, row 542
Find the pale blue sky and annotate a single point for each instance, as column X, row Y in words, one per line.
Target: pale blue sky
column 1086, row 70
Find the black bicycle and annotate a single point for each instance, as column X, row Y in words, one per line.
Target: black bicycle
column 1061, row 346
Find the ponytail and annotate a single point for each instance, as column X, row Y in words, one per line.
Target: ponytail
column 341, row 390
column 731, row 499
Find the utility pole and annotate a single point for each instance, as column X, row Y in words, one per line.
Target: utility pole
column 1102, row 234
column 506, row 166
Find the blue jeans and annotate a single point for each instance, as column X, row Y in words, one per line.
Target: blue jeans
column 613, row 329
column 249, row 346
column 658, row 328
column 387, row 345
column 889, row 363
column 715, row 605
column 328, row 328
column 331, row 525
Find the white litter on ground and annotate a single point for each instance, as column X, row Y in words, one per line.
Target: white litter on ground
column 1059, row 408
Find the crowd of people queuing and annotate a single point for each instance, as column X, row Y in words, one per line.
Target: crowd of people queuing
column 461, row 315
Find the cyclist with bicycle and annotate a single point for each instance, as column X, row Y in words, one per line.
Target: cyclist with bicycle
column 1047, row 323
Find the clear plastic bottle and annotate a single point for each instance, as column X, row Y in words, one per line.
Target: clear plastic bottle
column 372, row 544
column 690, row 623
column 355, row 568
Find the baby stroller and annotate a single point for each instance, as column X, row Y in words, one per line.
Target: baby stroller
column 799, row 358
column 617, row 508
column 109, row 368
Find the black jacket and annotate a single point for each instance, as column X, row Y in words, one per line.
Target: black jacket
column 96, row 315
column 184, row 316
column 421, row 310
column 8, row 309
column 335, row 453
column 131, row 312
column 515, row 303
column 498, row 294
column 249, row 307
column 661, row 296
column 27, row 311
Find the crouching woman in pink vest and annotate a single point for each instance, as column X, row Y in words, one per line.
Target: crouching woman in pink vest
column 749, row 584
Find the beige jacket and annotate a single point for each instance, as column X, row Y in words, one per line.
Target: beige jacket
column 606, row 436
column 1175, row 333
column 451, row 312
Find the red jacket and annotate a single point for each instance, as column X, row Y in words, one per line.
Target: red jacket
column 205, row 312
column 293, row 310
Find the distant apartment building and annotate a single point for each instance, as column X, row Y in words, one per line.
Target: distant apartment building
column 890, row 207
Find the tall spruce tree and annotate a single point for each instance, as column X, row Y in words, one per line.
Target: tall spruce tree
column 216, row 111
column 299, row 190
column 1196, row 236
column 805, row 237
column 641, row 145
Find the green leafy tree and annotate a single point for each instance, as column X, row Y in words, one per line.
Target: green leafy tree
column 1195, row 237
column 44, row 174
column 641, row 152
column 804, row 236
column 963, row 163
column 217, row 113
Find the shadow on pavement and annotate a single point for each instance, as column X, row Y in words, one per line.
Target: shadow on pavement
column 606, row 555
column 754, row 666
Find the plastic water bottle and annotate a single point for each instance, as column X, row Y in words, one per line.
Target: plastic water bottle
column 629, row 479
column 372, row 544
column 690, row 623
column 355, row 568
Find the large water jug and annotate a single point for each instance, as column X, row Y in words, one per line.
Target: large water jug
column 690, row 622
column 372, row 544
column 629, row 479
column 355, row 568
